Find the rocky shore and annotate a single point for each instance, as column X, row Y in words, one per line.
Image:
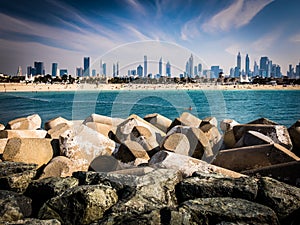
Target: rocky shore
column 149, row 170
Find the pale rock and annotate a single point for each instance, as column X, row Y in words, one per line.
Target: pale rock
column 198, row 142
column 3, row 144
column 23, row 133
column 178, row 143
column 31, row 122
column 130, row 151
column 28, row 150
column 84, row 144
column 101, row 128
column 159, row 121
column 56, row 121
column 227, row 125
column 229, row 139
column 103, row 119
column 294, row 132
column 59, row 129
column 60, row 166
column 187, row 165
column 209, row 120
column 2, row 127
column 186, row 119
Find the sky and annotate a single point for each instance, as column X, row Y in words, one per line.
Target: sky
column 214, row 31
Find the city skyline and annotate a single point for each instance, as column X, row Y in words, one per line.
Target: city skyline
column 66, row 31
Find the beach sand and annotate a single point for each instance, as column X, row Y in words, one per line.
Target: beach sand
column 22, row 87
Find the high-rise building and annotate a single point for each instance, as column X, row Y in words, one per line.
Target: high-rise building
column 215, row 70
column 79, row 71
column 191, row 66
column 19, row 71
column 239, row 61
column 255, row 69
column 263, row 66
column 139, row 70
column 104, row 69
column 231, row 72
column 114, row 70
column 168, row 69
column 29, row 70
column 117, row 69
column 195, row 70
column 145, row 66
column 54, row 69
column 63, row 72
column 290, row 72
column 94, row 72
column 101, row 68
column 247, row 65
column 199, row 69
column 298, row 71
column 269, row 68
column 39, row 68
column 86, row 66
column 160, row 66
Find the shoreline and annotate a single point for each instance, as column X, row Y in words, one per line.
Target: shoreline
column 21, row 87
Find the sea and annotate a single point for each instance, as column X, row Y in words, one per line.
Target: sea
column 281, row 106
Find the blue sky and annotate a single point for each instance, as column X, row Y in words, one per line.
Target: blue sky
column 213, row 30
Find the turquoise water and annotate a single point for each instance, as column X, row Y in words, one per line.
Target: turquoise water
column 243, row 106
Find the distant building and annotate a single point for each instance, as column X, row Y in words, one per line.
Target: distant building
column 79, row 71
column 86, row 66
column 94, row 72
column 199, row 69
column 139, row 70
column 114, row 70
column 215, row 70
column 290, row 72
column 239, row 61
column 117, row 69
column 54, row 69
column 63, row 72
column 168, row 69
column 39, row 68
column 247, row 65
column 264, row 66
column 19, row 71
column 101, row 68
column 29, row 70
column 145, row 66
column 255, row 69
column 104, row 69
column 160, row 67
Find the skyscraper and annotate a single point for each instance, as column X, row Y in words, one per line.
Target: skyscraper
column 114, row 70
column 101, row 68
column 255, row 69
column 191, row 66
column 247, row 65
column 104, row 69
column 117, row 69
column 86, row 66
column 39, row 68
column 168, row 69
column 54, row 69
column 19, row 71
column 139, row 70
column 238, row 61
column 145, row 66
column 160, row 67
column 263, row 66
column 29, row 70
column 79, row 72
column 199, row 69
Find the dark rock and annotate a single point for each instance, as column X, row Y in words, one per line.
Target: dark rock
column 279, row 134
column 209, row 120
column 284, row 199
column 105, row 163
column 48, row 188
column 294, row 132
column 264, row 121
column 284, row 172
column 80, row 205
column 251, row 138
column 253, row 157
column 214, row 185
column 33, row 221
column 220, row 210
column 16, row 176
column 13, row 206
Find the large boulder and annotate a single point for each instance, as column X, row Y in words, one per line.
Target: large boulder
column 13, row 206
column 42, row 190
column 31, row 122
column 209, row 120
column 294, row 132
column 59, row 129
column 23, row 133
column 103, row 120
column 186, row 119
column 176, row 142
column 33, row 221
column 80, row 205
column 2, row 127
column 56, row 121
column 251, row 138
column 84, row 144
column 257, row 156
column 60, row 166
column 198, row 146
column 282, row 198
column 203, row 185
column 226, row 211
column 279, row 134
column 28, row 150
column 187, row 165
column 16, row 176
column 104, row 129
column 105, row 163
column 264, row 121
column 159, row 121
column 3, row 142
column 227, row 124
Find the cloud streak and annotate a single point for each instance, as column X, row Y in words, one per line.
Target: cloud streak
column 237, row 15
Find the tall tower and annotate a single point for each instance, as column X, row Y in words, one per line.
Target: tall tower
column 191, row 66
column 139, row 70
column 168, row 69
column 101, row 67
column 86, row 66
column 114, row 70
column 247, row 65
column 160, row 67
column 238, row 61
column 145, row 66
column 104, row 69
column 39, row 68
column 19, row 72
column 255, row 69
column 263, row 66
column 54, row 69
column 117, row 69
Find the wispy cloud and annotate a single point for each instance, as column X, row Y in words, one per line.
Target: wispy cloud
column 267, row 41
column 238, row 14
column 137, row 6
column 190, row 29
column 295, row 38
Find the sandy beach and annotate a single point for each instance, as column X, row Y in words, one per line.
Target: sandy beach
column 21, row 87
